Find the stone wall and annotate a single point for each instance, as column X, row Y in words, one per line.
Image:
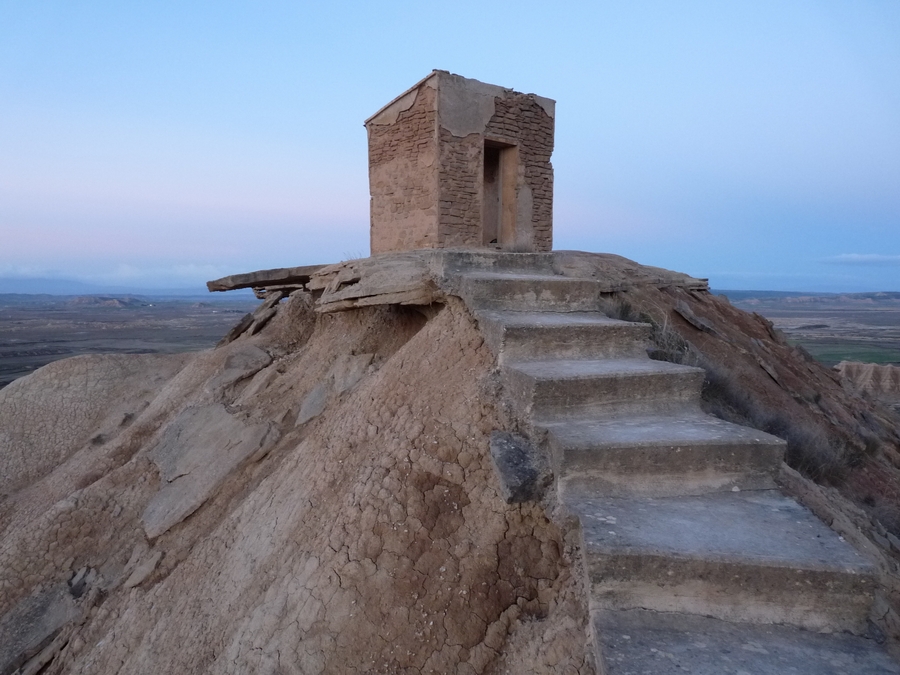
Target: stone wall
column 522, row 118
column 402, row 175
column 518, row 120
column 426, row 167
column 459, row 181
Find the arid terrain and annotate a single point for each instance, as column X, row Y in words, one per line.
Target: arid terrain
column 392, row 469
column 38, row 329
column 861, row 327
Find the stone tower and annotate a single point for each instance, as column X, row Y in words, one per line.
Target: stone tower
column 455, row 162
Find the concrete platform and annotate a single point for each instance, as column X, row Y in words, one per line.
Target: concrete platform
column 639, row 642
column 567, row 335
column 568, row 389
column 525, row 292
column 453, row 262
column 664, row 455
column 756, row 556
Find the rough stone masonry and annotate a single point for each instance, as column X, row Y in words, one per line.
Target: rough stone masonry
column 454, row 162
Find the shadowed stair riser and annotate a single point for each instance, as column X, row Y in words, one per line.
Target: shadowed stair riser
column 667, row 469
column 757, row 465
column 658, row 485
column 666, row 459
column 513, row 340
column 746, row 592
column 571, row 396
column 528, row 293
column 639, row 642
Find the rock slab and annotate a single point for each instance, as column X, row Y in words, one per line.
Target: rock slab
column 195, row 454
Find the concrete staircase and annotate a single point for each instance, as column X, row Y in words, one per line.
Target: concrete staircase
column 694, row 561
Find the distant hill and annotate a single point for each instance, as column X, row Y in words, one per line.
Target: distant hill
column 43, row 291
column 880, row 380
column 737, row 296
column 50, row 286
column 743, row 295
column 44, row 286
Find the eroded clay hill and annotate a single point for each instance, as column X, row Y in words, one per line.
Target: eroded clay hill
column 353, row 524
column 880, row 381
column 319, row 495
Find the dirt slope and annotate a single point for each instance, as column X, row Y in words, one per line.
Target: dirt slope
column 358, row 527
column 319, row 498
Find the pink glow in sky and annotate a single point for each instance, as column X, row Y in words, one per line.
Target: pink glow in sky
column 754, row 143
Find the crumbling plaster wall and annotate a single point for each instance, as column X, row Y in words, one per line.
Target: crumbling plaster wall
column 403, row 173
column 426, row 164
column 469, row 112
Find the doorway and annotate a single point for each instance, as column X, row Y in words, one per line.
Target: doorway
column 498, row 208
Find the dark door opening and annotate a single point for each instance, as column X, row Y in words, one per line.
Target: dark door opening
column 498, row 214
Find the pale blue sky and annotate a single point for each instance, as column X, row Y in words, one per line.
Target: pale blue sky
column 754, row 143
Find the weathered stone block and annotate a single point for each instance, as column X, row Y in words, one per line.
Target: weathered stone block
column 522, row 469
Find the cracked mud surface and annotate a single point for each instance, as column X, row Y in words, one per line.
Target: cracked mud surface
column 369, row 536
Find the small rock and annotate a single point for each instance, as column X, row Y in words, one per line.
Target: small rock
column 895, row 542
column 685, row 312
column 77, row 583
column 194, row 454
column 313, row 404
column 348, row 370
column 881, row 541
column 769, row 368
column 33, row 623
column 237, row 331
column 144, row 570
column 241, row 363
column 522, row 470
column 261, row 320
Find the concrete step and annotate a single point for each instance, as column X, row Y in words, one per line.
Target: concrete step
column 566, row 389
column 448, row 262
column 639, row 642
column 567, row 335
column 529, row 292
column 663, row 455
column 753, row 557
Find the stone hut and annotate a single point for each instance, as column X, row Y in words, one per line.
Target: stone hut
column 455, row 162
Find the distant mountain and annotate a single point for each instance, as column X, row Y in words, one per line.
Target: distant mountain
column 45, row 286
column 744, row 295
column 51, row 286
column 775, row 295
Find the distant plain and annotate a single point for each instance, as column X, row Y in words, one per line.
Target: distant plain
column 832, row 327
column 38, row 329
